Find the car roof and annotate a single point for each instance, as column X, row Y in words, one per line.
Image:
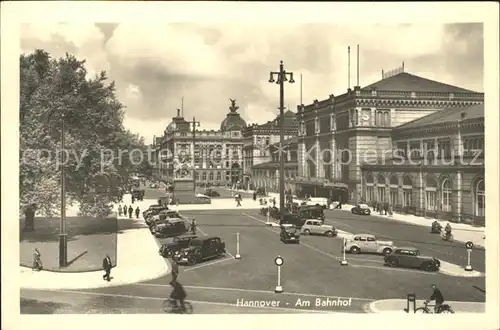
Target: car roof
column 367, row 235
column 287, row 225
column 207, row 238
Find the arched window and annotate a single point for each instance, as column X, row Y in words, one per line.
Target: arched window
column 446, row 196
column 430, row 194
column 480, row 199
column 381, row 196
column 393, row 190
column 407, row 191
column 370, row 192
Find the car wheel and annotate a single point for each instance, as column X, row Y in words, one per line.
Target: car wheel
column 192, row 260
column 368, row 213
column 329, row 234
column 354, row 250
column 307, row 232
column 352, row 211
column 387, row 251
column 393, row 263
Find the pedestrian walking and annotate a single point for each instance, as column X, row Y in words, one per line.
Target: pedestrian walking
column 125, row 210
column 107, row 265
column 193, row 226
column 237, row 198
column 274, row 201
column 37, row 260
column 175, row 270
column 133, row 199
column 130, row 211
column 137, row 211
column 120, row 210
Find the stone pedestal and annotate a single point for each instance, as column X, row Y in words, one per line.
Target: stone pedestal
column 184, row 191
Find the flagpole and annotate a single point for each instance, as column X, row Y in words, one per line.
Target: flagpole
column 301, row 89
column 182, row 107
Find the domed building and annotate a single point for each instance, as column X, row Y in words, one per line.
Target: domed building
column 217, row 154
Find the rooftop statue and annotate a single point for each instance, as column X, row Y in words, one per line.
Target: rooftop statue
column 233, row 107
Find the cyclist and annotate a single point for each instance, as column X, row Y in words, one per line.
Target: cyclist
column 178, row 294
column 438, row 297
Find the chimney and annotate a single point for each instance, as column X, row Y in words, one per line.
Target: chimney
column 462, row 115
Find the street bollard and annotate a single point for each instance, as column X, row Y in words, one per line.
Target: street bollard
column 279, row 262
column 469, row 245
column 410, row 301
column 344, row 261
column 237, row 256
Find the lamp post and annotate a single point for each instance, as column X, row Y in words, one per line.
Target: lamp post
column 195, row 124
column 281, row 77
column 63, row 237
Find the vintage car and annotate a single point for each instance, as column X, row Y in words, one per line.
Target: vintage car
column 274, row 212
column 317, row 201
column 316, row 227
column 311, row 212
column 365, row 243
column 410, row 257
column 153, row 210
column 162, row 215
column 178, row 243
column 211, row 193
column 362, row 209
column 293, row 219
column 200, row 249
column 138, row 193
column 154, row 185
column 170, row 228
column 289, row 233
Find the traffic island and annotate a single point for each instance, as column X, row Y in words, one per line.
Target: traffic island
column 450, row 269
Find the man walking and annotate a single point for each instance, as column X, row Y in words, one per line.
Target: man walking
column 175, row 270
column 130, row 211
column 120, row 210
column 106, row 265
column 124, row 210
column 137, row 211
column 37, row 260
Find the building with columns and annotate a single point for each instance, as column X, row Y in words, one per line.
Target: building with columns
column 336, row 134
column 267, row 174
column 436, row 168
column 218, row 158
column 258, row 138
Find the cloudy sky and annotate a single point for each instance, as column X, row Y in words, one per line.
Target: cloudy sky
column 154, row 66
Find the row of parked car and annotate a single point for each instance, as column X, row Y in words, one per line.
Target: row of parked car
column 186, row 247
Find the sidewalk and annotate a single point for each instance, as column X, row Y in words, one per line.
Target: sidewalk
column 137, row 261
column 398, row 306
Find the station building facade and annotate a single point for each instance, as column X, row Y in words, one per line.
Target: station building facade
column 257, row 140
column 267, row 174
column 335, row 134
column 436, row 168
column 218, row 158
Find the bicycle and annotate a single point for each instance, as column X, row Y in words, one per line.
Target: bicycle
column 443, row 309
column 170, row 306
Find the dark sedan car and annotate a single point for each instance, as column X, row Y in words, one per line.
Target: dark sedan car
column 201, row 249
column 361, row 209
column 211, row 193
column 178, row 243
column 289, row 234
column 410, row 258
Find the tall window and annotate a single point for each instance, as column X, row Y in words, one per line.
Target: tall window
column 393, row 191
column 430, row 194
column 204, row 176
column 415, row 149
column 370, row 192
column 407, row 192
column 480, row 199
column 218, row 176
column 211, row 176
column 381, row 189
column 446, row 196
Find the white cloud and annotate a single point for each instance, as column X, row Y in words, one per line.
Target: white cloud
column 156, row 65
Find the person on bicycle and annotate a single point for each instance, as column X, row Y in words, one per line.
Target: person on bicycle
column 436, row 296
column 178, row 294
column 447, row 230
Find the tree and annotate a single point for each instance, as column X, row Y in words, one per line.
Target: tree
column 57, row 90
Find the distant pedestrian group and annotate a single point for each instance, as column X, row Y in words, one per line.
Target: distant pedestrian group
column 130, row 211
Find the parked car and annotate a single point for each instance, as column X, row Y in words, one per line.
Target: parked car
column 138, row 194
column 362, row 209
column 317, row 201
column 162, row 215
column 274, row 212
column 153, row 185
column 410, row 257
column 154, row 210
column 311, row 212
column 211, row 193
column 178, row 243
column 169, row 228
column 316, row 227
column 201, row 249
column 289, row 233
column 365, row 243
